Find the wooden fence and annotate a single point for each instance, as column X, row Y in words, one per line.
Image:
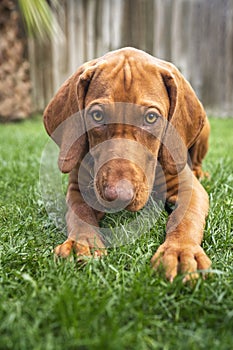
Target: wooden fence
column 196, row 35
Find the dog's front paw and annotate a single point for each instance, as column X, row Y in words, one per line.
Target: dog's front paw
column 174, row 257
column 82, row 249
column 200, row 174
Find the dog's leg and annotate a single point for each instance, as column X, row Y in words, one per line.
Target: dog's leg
column 198, row 151
column 181, row 250
column 82, row 225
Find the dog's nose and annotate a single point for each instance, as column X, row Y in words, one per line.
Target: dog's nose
column 110, row 193
column 122, row 191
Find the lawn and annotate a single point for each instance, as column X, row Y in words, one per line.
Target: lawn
column 117, row 302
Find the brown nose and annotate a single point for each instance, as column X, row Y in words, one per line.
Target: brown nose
column 122, row 191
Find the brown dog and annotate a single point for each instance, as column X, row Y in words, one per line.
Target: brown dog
column 145, row 131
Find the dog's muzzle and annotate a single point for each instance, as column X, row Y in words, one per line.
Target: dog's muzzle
column 122, row 176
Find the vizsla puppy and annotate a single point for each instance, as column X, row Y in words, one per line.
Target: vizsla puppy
column 129, row 125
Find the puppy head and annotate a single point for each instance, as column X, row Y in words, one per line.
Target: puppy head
column 124, row 141
column 125, row 95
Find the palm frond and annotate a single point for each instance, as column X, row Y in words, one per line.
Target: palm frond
column 39, row 18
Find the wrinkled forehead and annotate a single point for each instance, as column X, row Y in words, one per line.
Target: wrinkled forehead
column 128, row 79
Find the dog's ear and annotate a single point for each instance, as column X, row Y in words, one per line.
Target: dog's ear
column 185, row 120
column 63, row 117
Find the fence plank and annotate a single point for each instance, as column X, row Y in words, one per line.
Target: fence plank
column 197, row 36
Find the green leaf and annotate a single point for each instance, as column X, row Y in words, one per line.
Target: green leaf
column 39, row 19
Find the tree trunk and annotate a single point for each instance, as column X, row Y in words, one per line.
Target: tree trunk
column 15, row 86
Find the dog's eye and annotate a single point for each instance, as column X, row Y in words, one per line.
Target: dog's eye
column 97, row 116
column 151, row 117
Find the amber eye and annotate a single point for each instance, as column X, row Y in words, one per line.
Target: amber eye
column 151, row 117
column 97, row 116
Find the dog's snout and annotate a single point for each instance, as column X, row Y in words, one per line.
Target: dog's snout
column 122, row 191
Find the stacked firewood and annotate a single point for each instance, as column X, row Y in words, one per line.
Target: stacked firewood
column 15, row 85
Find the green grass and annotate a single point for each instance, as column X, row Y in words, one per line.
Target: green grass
column 117, row 302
